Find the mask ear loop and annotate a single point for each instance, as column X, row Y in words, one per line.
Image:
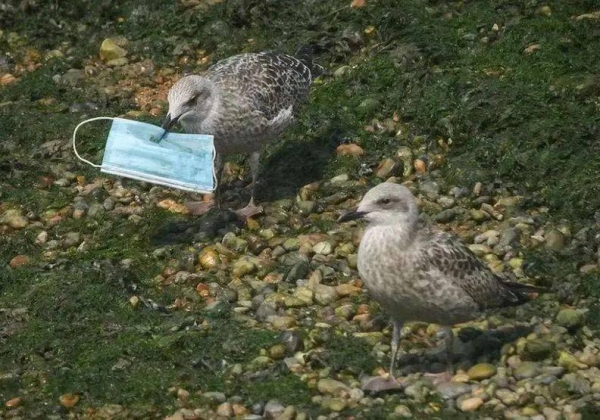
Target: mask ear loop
column 215, row 180
column 75, row 135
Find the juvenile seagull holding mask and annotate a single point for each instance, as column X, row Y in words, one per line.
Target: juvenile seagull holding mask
column 417, row 273
column 244, row 101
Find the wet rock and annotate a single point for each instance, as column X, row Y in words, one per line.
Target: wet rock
column 402, row 411
column 350, row 149
column 282, row 322
column 331, row 386
column 298, row 271
column 333, row 404
column 538, row 349
column 273, row 410
column 242, row 267
column 225, row 409
column 386, row 168
column 430, row 189
column 509, row 237
column 324, row 295
column 451, row 390
column 445, row 216
column 109, row 50
column 14, row 219
column 526, row 370
column 215, row 397
column 507, row 396
column 478, row 215
column 481, row 371
column 19, row 261
column 71, row 239
column 306, row 207
column 471, row 404
column 555, row 240
column 72, row 77
column 569, row 318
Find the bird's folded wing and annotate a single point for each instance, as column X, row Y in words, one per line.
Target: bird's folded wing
column 448, row 257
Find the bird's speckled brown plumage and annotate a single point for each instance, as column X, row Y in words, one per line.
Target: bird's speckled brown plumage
column 244, row 101
column 418, row 273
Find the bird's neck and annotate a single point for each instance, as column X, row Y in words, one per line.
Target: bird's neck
column 398, row 236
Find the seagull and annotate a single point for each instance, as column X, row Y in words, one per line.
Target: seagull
column 244, row 101
column 418, row 273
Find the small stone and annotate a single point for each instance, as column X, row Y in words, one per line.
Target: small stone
column 209, row 258
column 324, row 295
column 478, row 215
column 445, row 216
column 13, row 402
column 538, row 349
column 555, row 240
column 331, row 386
column 340, row 179
column 242, row 267
column 173, row 206
column 526, row 370
column 569, row 318
column 14, row 219
column 7, row 79
column 420, row 166
column 277, row 351
column 358, row 4
column 544, row 11
column 350, row 149
column 306, row 207
column 430, row 189
column 479, row 249
column 452, row 390
column 299, row 271
column 225, row 409
column 69, row 400
column 334, row 404
column 71, row 239
column 215, row 397
column 323, row 248
column 19, row 261
column 386, row 168
column 273, row 410
column 109, row 50
column 507, row 396
column 402, row 411
column 471, row 404
column 134, row 301
column 481, row 371
column 282, row 322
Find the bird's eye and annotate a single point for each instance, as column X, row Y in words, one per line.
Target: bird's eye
column 385, row 201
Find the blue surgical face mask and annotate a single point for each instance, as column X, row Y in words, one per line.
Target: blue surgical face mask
column 144, row 152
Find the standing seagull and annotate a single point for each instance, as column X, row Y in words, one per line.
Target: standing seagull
column 417, row 273
column 244, row 101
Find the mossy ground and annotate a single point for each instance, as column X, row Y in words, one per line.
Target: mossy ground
column 530, row 119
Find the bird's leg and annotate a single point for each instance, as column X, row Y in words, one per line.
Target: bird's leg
column 251, row 209
column 201, row 207
column 395, row 346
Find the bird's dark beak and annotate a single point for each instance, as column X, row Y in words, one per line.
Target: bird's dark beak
column 168, row 123
column 351, row 214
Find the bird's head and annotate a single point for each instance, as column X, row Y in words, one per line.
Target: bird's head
column 189, row 99
column 385, row 204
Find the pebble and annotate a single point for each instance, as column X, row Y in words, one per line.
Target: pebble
column 19, row 261
column 569, row 318
column 555, row 240
column 471, row 404
column 324, row 295
column 331, row 386
column 14, row 219
column 481, row 371
column 225, row 409
column 526, row 370
column 453, row 389
column 273, row 410
column 402, row 411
